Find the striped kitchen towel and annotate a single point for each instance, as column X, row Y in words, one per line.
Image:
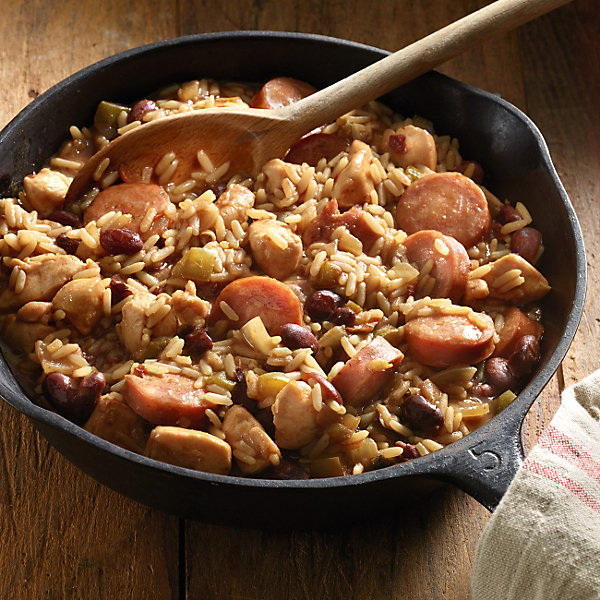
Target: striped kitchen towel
column 543, row 540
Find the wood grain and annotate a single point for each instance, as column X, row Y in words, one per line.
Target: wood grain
column 63, row 535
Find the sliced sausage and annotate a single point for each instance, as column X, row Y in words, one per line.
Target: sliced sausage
column 354, row 185
column 275, row 247
column 516, row 325
column 274, row 302
column 513, row 279
column 410, row 145
column 312, row 148
column 281, row 91
column 451, row 262
column 168, row 399
column 367, row 371
column 134, row 199
column 190, row 449
column 447, row 202
column 444, row 340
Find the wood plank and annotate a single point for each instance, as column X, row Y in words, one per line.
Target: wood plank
column 64, row 535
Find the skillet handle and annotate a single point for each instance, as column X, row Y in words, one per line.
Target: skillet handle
column 487, row 466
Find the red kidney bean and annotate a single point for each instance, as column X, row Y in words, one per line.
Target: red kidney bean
column 239, row 395
column 295, row 336
column 526, row 242
column 482, row 390
column 409, row 451
column 121, row 241
column 265, row 418
column 139, row 109
column 65, row 217
column 286, row 469
column 67, row 244
column 499, row 375
column 525, row 356
column 118, row 290
column 75, row 402
column 507, row 214
column 326, row 386
column 420, row 415
column 197, row 341
column 321, row 305
column 343, row 315
column 477, row 174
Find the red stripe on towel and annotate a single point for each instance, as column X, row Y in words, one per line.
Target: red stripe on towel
column 562, row 445
column 555, row 476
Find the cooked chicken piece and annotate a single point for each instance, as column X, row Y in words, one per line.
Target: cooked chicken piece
column 275, row 248
column 189, row 448
column 410, row 145
column 189, row 309
column 234, row 203
column 354, row 184
column 35, row 312
column 247, row 437
column 135, row 319
column 46, row 190
column 276, row 171
column 513, row 279
column 115, row 422
column 294, row 416
column 45, row 275
column 81, row 300
column 21, row 336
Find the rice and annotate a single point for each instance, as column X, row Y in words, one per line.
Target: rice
column 160, row 314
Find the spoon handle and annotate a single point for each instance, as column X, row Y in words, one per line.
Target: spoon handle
column 413, row 60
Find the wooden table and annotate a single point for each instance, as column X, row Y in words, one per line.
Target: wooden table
column 65, row 536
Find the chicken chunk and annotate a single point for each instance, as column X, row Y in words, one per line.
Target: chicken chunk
column 410, row 145
column 354, row 184
column 275, row 172
column 44, row 276
column 113, row 421
column 294, row 416
column 247, row 437
column 189, row 309
column 46, row 190
column 35, row 312
column 234, row 203
column 21, row 336
column 275, row 248
column 135, row 319
column 81, row 300
column 513, row 279
column 190, row 449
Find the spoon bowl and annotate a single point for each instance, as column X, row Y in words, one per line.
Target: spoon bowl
column 249, row 138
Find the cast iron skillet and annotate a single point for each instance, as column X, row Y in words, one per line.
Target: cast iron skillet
column 517, row 166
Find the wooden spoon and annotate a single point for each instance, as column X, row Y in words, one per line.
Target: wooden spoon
column 248, row 138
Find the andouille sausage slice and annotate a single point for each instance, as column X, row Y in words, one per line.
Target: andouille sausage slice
column 516, row 325
column 312, row 148
column 274, row 302
column 134, row 199
column 447, row 202
column 281, row 91
column 445, row 340
column 168, row 399
column 367, row 371
column 451, row 262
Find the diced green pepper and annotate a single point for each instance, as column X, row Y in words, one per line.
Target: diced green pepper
column 154, row 348
column 413, row 173
column 326, row 467
column 105, row 119
column 196, row 264
column 328, row 275
column 503, row 400
column 221, row 380
column 389, row 333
